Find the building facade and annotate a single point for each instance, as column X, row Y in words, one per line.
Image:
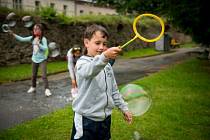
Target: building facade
column 67, row 7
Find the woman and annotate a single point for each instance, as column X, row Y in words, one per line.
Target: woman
column 39, row 56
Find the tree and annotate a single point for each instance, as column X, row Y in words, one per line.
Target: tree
column 187, row 15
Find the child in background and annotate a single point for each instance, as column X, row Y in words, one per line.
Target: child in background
column 97, row 88
column 72, row 56
column 39, row 56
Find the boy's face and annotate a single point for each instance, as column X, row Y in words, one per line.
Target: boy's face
column 97, row 44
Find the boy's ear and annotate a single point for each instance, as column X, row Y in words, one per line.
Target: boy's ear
column 86, row 41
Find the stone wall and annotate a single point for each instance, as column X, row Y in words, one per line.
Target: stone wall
column 14, row 52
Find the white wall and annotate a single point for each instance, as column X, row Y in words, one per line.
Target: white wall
column 87, row 8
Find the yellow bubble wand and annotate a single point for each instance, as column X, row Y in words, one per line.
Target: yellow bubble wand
column 137, row 35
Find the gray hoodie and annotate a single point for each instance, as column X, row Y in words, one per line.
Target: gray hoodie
column 97, row 87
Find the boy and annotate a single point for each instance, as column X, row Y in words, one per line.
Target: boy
column 97, row 87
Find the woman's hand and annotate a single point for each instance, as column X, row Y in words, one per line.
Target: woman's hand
column 36, row 40
column 11, row 32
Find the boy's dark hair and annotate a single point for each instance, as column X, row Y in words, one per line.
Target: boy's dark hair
column 90, row 30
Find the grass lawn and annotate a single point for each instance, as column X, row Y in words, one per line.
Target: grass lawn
column 188, row 45
column 140, row 53
column 180, row 110
column 144, row 52
column 23, row 71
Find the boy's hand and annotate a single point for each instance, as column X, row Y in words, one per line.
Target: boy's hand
column 128, row 116
column 112, row 53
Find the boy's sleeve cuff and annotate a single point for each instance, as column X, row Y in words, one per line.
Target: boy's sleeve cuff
column 104, row 58
column 124, row 108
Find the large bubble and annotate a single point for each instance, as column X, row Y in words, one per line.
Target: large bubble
column 54, row 50
column 5, row 28
column 137, row 98
column 11, row 19
column 28, row 21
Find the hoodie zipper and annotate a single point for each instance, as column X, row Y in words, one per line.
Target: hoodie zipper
column 106, row 96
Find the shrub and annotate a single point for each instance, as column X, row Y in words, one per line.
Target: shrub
column 48, row 13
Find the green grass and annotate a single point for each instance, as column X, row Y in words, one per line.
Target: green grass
column 24, row 71
column 140, row 53
column 181, row 102
column 54, row 126
column 100, row 19
column 180, row 110
column 188, row 45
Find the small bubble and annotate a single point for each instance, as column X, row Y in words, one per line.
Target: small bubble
column 136, row 135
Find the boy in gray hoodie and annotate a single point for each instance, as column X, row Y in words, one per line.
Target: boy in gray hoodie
column 97, row 88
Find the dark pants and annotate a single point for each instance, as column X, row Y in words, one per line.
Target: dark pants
column 35, row 67
column 93, row 130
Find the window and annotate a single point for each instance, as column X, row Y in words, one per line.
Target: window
column 52, row 5
column 17, row 4
column 81, row 11
column 37, row 5
column 64, row 9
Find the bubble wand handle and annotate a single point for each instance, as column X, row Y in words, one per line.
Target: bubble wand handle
column 127, row 42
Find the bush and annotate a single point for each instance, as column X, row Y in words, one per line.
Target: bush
column 63, row 19
column 48, row 13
